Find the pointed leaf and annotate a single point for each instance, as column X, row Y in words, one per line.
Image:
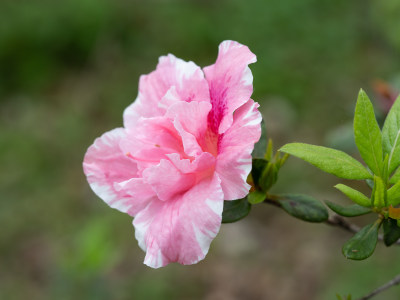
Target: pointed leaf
column 268, row 177
column 303, row 207
column 363, row 243
column 261, row 146
column 367, row 134
column 257, row 169
column 329, row 160
column 391, row 136
column 256, row 197
column 349, row 211
column 270, row 150
column 385, row 168
column 235, row 210
column 282, row 160
column 393, row 194
column 379, row 193
column 391, row 232
column 396, row 177
column 354, row 195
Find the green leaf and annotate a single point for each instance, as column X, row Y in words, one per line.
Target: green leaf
column 264, row 174
column 370, row 183
column 235, row 210
column 329, row 160
column 393, row 194
column 257, row 169
column 303, row 207
column 270, row 150
column 282, row 160
column 350, row 211
column 385, row 170
column 268, row 177
column 261, row 146
column 379, row 193
column 256, row 197
column 391, row 136
column 363, row 243
column 396, row 177
column 391, row 232
column 367, row 134
column 354, row 195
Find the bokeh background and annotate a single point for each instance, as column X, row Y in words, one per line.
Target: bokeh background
column 69, row 68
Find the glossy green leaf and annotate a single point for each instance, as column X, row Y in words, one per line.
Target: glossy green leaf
column 257, row 169
column 235, row 210
column 349, row 211
column 261, row 146
column 256, row 197
column 393, row 194
column 367, row 133
column 303, row 207
column 391, row 136
column 391, row 232
column 396, row 177
column 354, row 195
column 379, row 193
column 329, row 160
column 363, row 243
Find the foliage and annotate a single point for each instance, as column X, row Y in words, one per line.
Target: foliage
column 380, row 154
column 67, row 70
column 235, row 210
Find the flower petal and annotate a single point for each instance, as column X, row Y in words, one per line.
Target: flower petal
column 190, row 120
column 186, row 78
column 105, row 164
column 181, row 230
column 151, row 140
column 204, row 163
column 234, row 157
column 140, row 192
column 167, row 181
column 231, row 83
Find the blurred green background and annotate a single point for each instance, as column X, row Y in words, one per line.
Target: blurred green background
column 69, row 68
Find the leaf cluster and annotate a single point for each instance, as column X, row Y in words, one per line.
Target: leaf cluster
column 380, row 151
column 264, row 174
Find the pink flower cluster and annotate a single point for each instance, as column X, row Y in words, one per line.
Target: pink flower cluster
column 185, row 148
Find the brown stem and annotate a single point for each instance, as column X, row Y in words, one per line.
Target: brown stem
column 393, row 282
column 338, row 221
column 334, row 220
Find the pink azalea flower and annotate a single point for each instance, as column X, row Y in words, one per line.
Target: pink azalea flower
column 185, row 148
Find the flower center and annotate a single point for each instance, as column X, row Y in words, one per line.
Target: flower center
column 211, row 142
